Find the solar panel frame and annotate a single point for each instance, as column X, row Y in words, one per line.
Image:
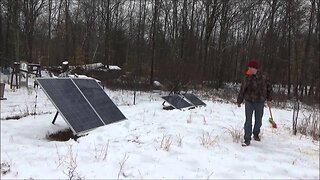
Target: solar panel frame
column 193, row 99
column 99, row 99
column 64, row 112
column 181, row 100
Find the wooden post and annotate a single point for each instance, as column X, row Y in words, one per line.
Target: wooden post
column 16, row 73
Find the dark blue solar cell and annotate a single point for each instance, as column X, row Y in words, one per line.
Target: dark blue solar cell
column 70, row 103
column 177, row 101
column 99, row 100
column 194, row 99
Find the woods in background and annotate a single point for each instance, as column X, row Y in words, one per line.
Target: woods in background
column 203, row 41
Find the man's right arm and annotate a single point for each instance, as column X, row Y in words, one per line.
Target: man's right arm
column 241, row 93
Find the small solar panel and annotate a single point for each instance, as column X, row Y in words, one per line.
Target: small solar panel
column 177, row 101
column 194, row 99
column 99, row 100
column 70, row 103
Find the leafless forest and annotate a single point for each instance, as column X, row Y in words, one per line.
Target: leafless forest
column 200, row 41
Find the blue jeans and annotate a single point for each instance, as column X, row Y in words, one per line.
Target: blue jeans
column 257, row 107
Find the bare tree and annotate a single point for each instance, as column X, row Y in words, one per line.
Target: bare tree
column 212, row 11
column 31, row 11
column 49, row 31
column 153, row 41
column 173, row 41
column 1, row 33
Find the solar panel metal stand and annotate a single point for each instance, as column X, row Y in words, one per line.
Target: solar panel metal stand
column 168, row 107
column 174, row 90
column 55, row 117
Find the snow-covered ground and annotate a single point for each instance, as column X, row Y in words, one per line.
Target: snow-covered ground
column 151, row 143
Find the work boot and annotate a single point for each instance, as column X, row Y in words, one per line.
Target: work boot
column 256, row 138
column 246, row 143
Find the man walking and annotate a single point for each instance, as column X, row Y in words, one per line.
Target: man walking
column 255, row 90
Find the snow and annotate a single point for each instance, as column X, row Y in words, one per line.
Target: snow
column 135, row 144
column 83, row 77
column 157, row 83
column 73, row 76
column 113, row 67
column 88, row 66
column 95, row 66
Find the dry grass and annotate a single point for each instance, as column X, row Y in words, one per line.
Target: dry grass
column 24, row 112
column 205, row 121
column 166, row 142
column 71, row 163
column 310, row 125
column 179, row 140
column 69, row 160
column 122, row 163
column 189, row 120
column 236, row 133
column 102, row 153
column 5, row 168
column 208, row 139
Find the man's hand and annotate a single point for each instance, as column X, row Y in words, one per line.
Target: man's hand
column 269, row 103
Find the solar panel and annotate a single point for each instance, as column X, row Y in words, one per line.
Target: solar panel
column 70, row 103
column 194, row 99
column 99, row 100
column 177, row 101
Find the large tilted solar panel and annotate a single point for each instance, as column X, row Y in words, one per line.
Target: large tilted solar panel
column 99, row 100
column 194, row 99
column 177, row 101
column 70, row 103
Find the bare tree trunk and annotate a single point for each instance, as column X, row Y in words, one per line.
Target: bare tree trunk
column 175, row 31
column 49, row 31
column 16, row 11
column 306, row 57
column 183, row 29
column 212, row 17
column 289, row 47
column 59, row 13
column 222, row 43
column 31, row 10
column 316, row 68
column 6, row 50
column 107, row 33
column 296, row 71
column 142, row 33
column 66, row 31
column 131, row 33
column 1, row 33
column 154, row 31
column 141, row 27
column 271, row 37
